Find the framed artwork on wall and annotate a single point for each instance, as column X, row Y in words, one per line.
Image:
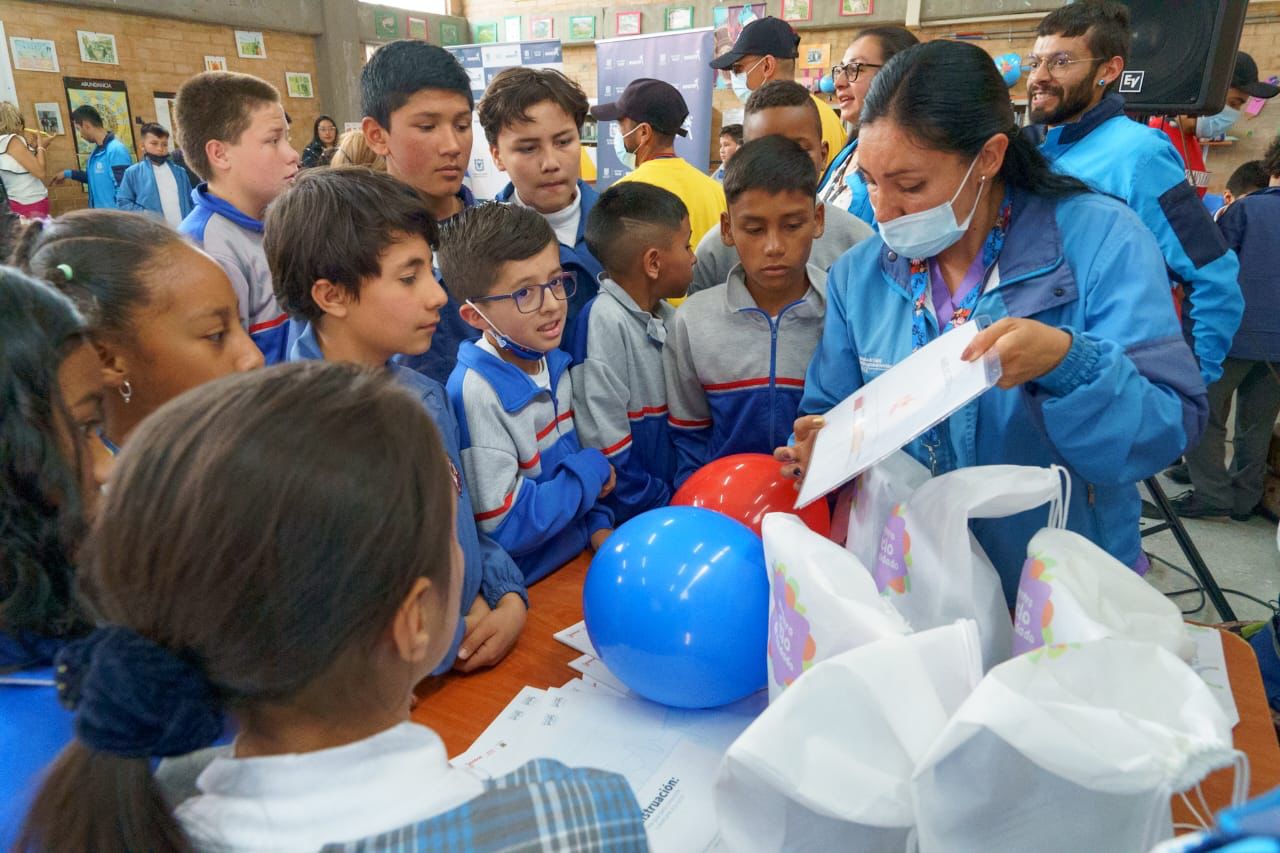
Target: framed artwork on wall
column 33, row 54
column 681, row 17
column 629, row 23
column 250, row 45
column 542, row 27
column 449, row 33
column 856, row 7
column 97, row 47
column 511, row 28
column 298, row 84
column 485, row 32
column 418, row 28
column 582, row 28
column 215, row 63
column 797, row 10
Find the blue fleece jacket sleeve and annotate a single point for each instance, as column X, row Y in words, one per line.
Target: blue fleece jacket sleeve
column 1127, row 398
column 1195, row 254
column 835, row 371
column 499, row 573
column 118, row 160
column 127, row 192
column 540, row 510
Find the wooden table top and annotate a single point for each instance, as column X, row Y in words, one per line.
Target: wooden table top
column 460, row 707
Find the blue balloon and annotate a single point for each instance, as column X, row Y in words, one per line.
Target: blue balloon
column 677, row 606
column 1010, row 66
column 827, row 84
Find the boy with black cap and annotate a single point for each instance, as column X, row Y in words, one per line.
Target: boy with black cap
column 766, row 50
column 650, row 114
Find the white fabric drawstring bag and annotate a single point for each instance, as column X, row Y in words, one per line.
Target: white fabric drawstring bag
column 1072, row 748
column 932, row 569
column 1072, row 591
column 872, row 496
column 828, row 765
column 822, row 601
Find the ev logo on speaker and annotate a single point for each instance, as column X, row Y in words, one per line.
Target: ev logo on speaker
column 1131, row 81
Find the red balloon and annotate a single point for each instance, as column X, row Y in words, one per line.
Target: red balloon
column 747, row 487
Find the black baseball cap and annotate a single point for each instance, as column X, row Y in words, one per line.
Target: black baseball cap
column 762, row 37
column 1245, row 78
column 653, row 102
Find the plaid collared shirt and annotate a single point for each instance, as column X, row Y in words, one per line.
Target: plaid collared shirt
column 541, row 806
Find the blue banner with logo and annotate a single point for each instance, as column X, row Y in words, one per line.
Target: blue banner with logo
column 682, row 59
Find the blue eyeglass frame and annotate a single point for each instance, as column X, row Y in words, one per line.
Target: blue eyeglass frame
column 567, row 281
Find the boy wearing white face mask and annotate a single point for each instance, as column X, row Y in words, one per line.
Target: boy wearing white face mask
column 766, row 50
column 649, row 116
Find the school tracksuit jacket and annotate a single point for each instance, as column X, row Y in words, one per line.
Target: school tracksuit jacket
column 534, row 489
column 620, row 396
column 488, row 570
column 576, row 259
column 234, row 240
column 1139, row 165
column 734, row 374
column 103, row 171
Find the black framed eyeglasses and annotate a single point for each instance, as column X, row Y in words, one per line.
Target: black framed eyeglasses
column 851, row 70
column 1056, row 64
column 529, row 298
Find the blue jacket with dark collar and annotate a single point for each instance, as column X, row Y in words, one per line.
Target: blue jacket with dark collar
column 103, row 171
column 576, row 259
column 1125, row 400
column 1251, row 227
column 1139, row 165
column 859, row 198
column 138, row 189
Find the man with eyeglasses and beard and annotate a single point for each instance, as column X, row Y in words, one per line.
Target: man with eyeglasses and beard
column 1078, row 118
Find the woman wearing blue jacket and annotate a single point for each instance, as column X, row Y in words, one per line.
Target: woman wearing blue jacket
column 973, row 222
column 841, row 185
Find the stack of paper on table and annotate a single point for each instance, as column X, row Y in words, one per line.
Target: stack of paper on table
column 670, row 756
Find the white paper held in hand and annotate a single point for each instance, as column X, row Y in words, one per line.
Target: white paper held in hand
column 896, row 407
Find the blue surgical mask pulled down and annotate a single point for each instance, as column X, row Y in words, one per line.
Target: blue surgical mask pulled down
column 1211, row 127
column 739, row 82
column 926, row 233
column 507, row 343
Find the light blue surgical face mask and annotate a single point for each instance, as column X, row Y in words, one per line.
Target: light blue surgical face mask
column 625, row 157
column 739, row 82
column 1211, row 127
column 928, row 232
column 508, row 343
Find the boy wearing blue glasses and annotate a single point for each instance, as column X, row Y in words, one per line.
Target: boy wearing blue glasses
column 534, row 489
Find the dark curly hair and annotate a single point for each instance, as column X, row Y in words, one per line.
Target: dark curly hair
column 41, row 521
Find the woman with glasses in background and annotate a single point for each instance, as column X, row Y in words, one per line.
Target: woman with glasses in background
column 873, row 47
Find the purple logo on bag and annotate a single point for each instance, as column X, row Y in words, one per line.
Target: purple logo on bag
column 894, row 558
column 791, row 645
column 1033, row 612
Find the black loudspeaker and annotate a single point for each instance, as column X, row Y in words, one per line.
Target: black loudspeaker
column 1182, row 55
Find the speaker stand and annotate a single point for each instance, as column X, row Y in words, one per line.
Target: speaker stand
column 1174, row 525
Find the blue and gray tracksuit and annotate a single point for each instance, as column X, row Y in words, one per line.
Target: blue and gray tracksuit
column 533, row 488
column 234, row 239
column 620, row 397
column 1139, row 165
column 1125, row 400
column 489, row 571
column 734, row 374
column 576, row 259
column 103, row 171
